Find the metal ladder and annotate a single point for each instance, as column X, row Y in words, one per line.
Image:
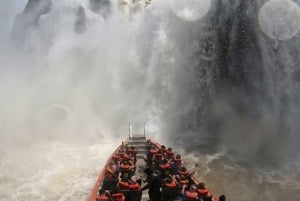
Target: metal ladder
column 139, row 141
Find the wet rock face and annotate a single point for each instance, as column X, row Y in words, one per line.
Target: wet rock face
column 101, row 7
column 80, row 23
column 29, row 18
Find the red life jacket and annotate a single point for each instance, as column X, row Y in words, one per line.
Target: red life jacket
column 184, row 173
column 125, row 167
column 191, row 195
column 134, row 186
column 158, row 157
column 153, row 151
column 202, row 191
column 171, row 185
column 164, row 151
column 102, row 198
column 123, row 185
column 177, row 163
column 164, row 166
column 118, row 197
column 170, row 155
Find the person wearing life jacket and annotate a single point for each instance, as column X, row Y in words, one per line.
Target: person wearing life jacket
column 182, row 180
column 170, row 154
column 205, row 194
column 183, row 171
column 158, row 156
column 191, row 194
column 176, row 164
column 154, row 184
column 153, row 150
column 126, row 169
column 103, row 196
column 170, row 190
column 170, row 182
column 116, row 157
column 132, row 151
column 164, row 168
column 203, row 191
column 131, row 184
column 118, row 197
column 163, row 149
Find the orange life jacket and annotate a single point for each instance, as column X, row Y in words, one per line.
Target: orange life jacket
column 177, row 162
column 171, row 185
column 153, row 151
column 118, row 197
column 158, row 157
column 170, row 155
column 125, row 167
column 164, row 151
column 123, row 185
column 102, row 198
column 202, row 191
column 184, row 173
column 134, row 186
column 191, row 195
column 164, row 166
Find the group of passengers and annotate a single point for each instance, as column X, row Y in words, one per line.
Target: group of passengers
column 167, row 177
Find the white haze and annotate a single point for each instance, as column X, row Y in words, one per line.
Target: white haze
column 67, row 98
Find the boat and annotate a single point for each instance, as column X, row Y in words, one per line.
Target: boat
column 149, row 161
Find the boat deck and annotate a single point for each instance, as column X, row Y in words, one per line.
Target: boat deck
column 140, row 143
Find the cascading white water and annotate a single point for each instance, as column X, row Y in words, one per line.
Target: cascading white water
column 67, row 98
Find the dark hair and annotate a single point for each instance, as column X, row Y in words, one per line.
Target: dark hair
column 202, row 185
column 101, row 191
column 222, row 198
column 183, row 169
column 168, row 180
column 178, row 156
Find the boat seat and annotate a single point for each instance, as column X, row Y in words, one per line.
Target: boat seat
column 110, row 184
column 134, row 195
column 169, row 194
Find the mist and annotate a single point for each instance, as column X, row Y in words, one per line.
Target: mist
column 74, row 73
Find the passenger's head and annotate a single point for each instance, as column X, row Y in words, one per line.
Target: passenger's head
column 183, row 169
column 202, row 185
column 178, row 156
column 163, row 147
column 101, row 191
column 168, row 180
column 170, row 149
column 222, row 198
column 193, row 188
column 126, row 162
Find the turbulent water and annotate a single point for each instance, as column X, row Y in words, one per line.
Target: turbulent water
column 221, row 85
